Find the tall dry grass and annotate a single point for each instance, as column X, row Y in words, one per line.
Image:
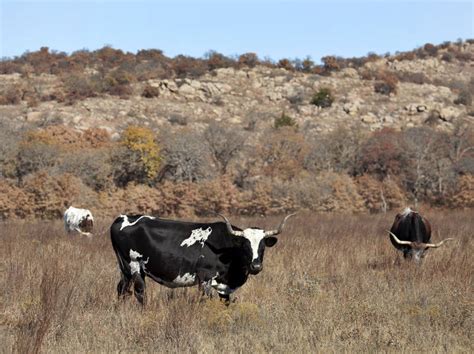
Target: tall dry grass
column 330, row 284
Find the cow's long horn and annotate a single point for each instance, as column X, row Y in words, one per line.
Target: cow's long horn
column 436, row 245
column 280, row 228
column 229, row 227
column 399, row 241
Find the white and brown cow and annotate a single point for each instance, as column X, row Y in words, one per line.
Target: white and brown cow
column 78, row 220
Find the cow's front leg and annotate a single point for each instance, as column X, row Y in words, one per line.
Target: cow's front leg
column 123, row 287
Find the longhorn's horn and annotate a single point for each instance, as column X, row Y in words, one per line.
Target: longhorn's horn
column 409, row 243
column 229, row 227
column 436, row 245
column 280, row 228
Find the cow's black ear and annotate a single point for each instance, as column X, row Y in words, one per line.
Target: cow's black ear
column 270, row 241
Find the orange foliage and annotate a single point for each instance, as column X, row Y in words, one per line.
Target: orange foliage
column 464, row 196
column 380, row 195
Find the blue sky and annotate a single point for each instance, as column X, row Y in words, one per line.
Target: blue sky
column 275, row 29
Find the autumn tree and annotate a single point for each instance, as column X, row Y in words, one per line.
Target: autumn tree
column 282, row 153
column 138, row 156
column 382, row 154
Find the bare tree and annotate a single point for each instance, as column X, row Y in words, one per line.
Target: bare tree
column 224, row 144
column 187, row 157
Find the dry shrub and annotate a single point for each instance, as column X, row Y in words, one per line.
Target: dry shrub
column 285, row 64
column 49, row 196
column 216, row 196
column 282, row 153
column 180, row 198
column 387, row 83
column 382, row 154
column 60, row 148
column 117, row 83
column 14, row 202
column 150, row 91
column 248, row 59
column 380, row 195
column 342, row 196
column 464, row 195
column 69, row 138
column 325, row 192
column 92, row 166
column 185, row 66
column 257, row 201
column 12, row 95
column 80, row 87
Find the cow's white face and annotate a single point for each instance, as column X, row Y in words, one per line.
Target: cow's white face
column 257, row 243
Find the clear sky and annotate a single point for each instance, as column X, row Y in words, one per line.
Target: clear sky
column 275, row 29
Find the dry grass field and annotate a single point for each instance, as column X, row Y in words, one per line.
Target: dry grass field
column 329, row 285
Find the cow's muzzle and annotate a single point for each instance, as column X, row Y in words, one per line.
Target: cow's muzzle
column 255, row 267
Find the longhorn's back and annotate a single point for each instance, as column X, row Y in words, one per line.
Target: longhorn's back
column 410, row 226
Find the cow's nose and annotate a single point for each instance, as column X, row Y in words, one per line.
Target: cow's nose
column 256, row 267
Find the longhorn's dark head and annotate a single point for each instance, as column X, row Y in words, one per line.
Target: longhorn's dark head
column 253, row 242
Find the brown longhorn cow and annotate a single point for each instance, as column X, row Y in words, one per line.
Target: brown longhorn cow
column 411, row 234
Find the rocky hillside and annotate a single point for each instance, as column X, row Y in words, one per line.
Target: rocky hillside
column 427, row 92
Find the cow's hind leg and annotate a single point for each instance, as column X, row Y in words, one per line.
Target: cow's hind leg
column 139, row 287
column 123, row 286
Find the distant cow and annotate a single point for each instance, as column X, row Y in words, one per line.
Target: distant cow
column 78, row 220
column 179, row 254
column 411, row 234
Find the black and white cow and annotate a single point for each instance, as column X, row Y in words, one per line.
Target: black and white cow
column 411, row 234
column 78, row 220
column 178, row 254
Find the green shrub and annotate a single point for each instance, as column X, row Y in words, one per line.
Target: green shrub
column 284, row 121
column 323, row 98
column 464, row 97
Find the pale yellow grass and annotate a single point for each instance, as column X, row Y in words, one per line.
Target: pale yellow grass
column 329, row 285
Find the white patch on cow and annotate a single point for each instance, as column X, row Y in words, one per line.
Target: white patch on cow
column 136, row 264
column 185, row 279
column 221, row 288
column 406, row 212
column 126, row 223
column 197, row 235
column 254, row 236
